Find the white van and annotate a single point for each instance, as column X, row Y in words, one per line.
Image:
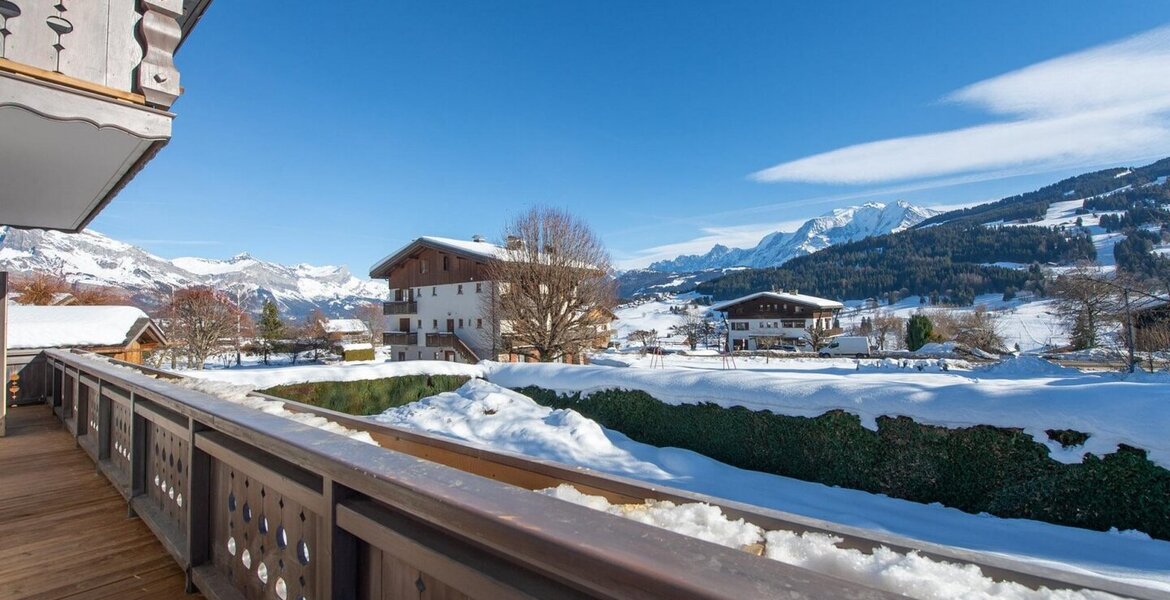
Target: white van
column 847, row 346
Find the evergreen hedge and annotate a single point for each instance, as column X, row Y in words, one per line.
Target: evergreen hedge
column 997, row 470
column 368, row 397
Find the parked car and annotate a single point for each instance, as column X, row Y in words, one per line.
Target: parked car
column 845, row 345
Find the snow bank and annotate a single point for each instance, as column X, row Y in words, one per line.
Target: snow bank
column 1108, row 406
column 911, row 574
column 70, row 326
column 265, row 377
column 486, row 414
column 491, row 416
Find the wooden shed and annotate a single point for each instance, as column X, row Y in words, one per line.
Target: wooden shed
column 120, row 332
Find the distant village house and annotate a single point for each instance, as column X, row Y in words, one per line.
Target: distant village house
column 764, row 318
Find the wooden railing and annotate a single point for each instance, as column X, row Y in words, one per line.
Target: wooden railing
column 121, row 49
column 399, row 338
column 400, row 307
column 253, row 505
column 445, row 339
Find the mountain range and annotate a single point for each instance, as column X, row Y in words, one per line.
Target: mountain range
column 836, row 227
column 90, row 258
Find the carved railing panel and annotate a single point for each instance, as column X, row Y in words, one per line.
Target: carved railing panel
column 120, row 442
column 125, row 45
column 166, row 473
column 263, row 541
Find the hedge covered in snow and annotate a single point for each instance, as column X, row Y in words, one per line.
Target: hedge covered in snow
column 997, row 470
column 369, row 396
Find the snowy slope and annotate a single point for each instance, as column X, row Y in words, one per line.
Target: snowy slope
column 92, row 258
column 836, row 227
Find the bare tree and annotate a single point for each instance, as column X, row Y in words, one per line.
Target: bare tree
column 94, row 295
column 313, row 334
column 556, row 288
column 200, row 318
column 884, row 324
column 646, row 337
column 371, row 315
column 692, row 329
column 817, row 335
column 1089, row 303
column 39, row 288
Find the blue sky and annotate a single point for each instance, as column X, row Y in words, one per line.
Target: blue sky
column 333, row 134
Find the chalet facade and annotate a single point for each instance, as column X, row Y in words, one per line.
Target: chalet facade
column 438, row 287
column 759, row 320
column 440, row 296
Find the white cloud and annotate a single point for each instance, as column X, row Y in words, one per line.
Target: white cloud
column 1103, row 105
column 738, row 236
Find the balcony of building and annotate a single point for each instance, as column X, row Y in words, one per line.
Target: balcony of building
column 85, row 93
column 399, row 338
column 400, row 307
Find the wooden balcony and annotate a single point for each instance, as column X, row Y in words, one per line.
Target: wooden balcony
column 399, row 338
column 65, row 528
column 85, row 91
column 452, row 340
column 400, row 307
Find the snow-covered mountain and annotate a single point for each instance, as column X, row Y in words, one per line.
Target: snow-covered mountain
column 92, row 258
column 836, row 227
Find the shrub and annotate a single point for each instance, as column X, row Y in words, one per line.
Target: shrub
column 368, row 397
column 1002, row 471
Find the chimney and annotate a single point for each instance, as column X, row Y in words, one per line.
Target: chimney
column 513, row 243
column 478, row 238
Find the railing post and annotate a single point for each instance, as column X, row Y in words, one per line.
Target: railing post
column 340, row 548
column 137, row 455
column 198, row 504
column 104, row 423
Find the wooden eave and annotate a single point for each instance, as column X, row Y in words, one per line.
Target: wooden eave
column 383, row 269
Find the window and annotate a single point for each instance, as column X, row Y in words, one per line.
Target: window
column 446, row 263
column 798, row 309
column 479, row 323
column 435, row 323
column 461, row 323
column 478, row 287
column 459, row 290
column 422, row 265
column 739, row 326
column 420, row 323
column 420, row 354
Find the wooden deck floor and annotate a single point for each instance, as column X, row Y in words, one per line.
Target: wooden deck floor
column 63, row 528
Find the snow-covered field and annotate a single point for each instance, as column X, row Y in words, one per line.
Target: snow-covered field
column 1025, row 393
column 485, row 414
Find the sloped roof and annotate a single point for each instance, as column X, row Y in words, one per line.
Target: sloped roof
column 781, row 297
column 345, row 326
column 76, row 326
column 480, row 250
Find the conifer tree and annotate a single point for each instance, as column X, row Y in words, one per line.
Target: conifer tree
column 918, row 330
column 271, row 328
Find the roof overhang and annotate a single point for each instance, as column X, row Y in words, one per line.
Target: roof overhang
column 65, row 152
column 382, row 269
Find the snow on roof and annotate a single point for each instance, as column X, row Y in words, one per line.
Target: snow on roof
column 345, row 326
column 485, row 250
column 783, row 297
column 68, row 326
column 358, row 346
